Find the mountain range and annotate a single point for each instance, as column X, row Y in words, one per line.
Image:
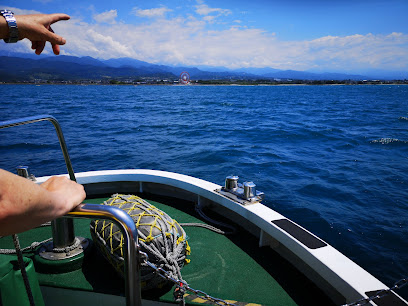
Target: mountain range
column 27, row 67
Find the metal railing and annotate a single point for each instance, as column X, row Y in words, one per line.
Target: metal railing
column 63, row 233
column 129, row 231
column 63, row 228
column 33, row 119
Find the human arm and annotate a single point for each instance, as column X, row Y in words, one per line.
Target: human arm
column 37, row 28
column 24, row 204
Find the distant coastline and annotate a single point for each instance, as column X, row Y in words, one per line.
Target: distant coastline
column 126, row 71
column 208, row 82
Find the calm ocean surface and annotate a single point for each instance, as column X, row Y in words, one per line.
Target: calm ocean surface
column 332, row 158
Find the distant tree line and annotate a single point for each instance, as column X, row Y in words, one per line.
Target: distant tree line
column 169, row 81
column 298, row 82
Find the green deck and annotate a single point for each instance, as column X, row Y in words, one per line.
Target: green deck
column 228, row 267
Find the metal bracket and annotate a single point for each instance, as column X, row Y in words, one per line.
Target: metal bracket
column 244, row 194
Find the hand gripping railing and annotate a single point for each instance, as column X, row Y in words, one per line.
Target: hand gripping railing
column 62, row 229
column 129, row 231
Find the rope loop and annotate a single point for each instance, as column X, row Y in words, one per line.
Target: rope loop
column 160, row 236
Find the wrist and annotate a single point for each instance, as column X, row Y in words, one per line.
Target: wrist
column 12, row 36
column 58, row 204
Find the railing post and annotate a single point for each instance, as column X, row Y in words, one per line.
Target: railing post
column 129, row 231
column 63, row 228
column 63, row 233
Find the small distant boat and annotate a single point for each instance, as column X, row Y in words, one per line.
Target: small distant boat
column 242, row 252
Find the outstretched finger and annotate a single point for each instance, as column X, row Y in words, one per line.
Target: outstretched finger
column 53, row 38
column 55, row 49
column 58, row 41
column 39, row 47
column 57, row 17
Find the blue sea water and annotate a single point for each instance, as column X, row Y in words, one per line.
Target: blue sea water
column 332, row 158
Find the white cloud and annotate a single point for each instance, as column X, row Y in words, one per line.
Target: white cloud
column 189, row 41
column 168, row 41
column 106, row 17
column 209, row 18
column 154, row 12
column 359, row 51
column 19, row 11
column 204, row 9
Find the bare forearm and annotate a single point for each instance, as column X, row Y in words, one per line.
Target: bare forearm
column 37, row 28
column 24, row 204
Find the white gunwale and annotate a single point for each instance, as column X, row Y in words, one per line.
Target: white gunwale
column 346, row 277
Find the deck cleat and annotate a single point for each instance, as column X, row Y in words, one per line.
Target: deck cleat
column 24, row 171
column 245, row 193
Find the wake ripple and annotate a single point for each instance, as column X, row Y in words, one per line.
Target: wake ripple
column 389, row 141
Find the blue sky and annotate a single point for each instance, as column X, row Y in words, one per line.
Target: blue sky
column 317, row 35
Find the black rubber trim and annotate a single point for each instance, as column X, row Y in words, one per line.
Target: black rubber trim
column 388, row 300
column 299, row 233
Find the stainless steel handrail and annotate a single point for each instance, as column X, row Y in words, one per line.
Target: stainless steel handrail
column 62, row 229
column 33, row 119
column 129, row 231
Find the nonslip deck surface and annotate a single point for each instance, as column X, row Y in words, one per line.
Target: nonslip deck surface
column 233, row 268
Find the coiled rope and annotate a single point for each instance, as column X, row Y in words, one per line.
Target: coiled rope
column 160, row 236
